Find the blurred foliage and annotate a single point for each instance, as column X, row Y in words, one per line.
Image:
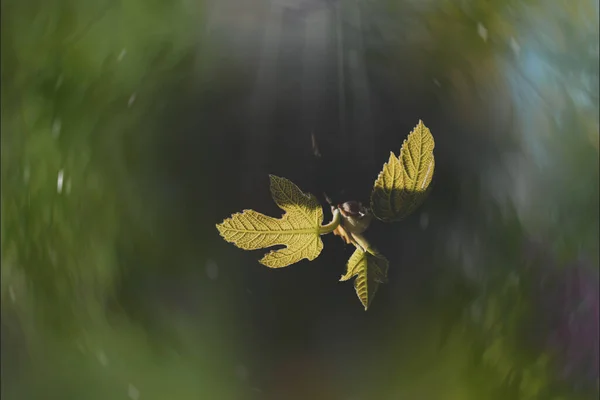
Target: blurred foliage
column 83, row 89
column 535, row 66
column 79, row 86
column 121, row 360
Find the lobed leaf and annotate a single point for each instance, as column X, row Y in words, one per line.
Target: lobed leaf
column 370, row 270
column 403, row 183
column 298, row 229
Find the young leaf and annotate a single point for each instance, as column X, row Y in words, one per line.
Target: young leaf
column 370, row 270
column 403, row 183
column 299, row 229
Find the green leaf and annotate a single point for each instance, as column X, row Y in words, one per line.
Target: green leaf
column 403, row 183
column 299, row 229
column 370, row 270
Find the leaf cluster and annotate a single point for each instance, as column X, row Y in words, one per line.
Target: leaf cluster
column 400, row 188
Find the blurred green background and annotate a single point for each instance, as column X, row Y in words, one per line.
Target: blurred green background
column 130, row 128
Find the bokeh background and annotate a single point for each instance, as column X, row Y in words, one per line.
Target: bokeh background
column 130, row 128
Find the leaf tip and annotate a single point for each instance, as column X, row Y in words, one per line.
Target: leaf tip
column 266, row 260
column 275, row 178
column 262, row 262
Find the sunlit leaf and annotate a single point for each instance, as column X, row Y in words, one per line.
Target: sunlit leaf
column 370, row 270
column 298, row 229
column 403, row 183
